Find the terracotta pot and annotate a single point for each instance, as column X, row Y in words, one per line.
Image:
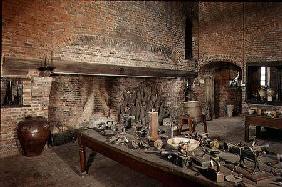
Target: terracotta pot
column 33, row 133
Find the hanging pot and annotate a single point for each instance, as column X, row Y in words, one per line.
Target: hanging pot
column 33, row 133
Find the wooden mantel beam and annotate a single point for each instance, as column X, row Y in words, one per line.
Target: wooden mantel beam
column 13, row 65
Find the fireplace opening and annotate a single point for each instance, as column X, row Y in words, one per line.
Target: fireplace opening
column 76, row 100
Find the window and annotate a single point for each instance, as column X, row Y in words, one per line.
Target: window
column 270, row 76
column 11, row 92
column 188, row 39
column 263, row 76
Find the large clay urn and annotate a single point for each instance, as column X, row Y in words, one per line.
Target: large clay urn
column 33, row 133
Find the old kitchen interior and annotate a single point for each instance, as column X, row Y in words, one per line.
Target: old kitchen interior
column 150, row 93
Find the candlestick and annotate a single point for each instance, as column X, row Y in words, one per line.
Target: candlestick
column 153, row 125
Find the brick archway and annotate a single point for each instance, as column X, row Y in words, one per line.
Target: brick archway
column 220, row 94
column 217, row 59
column 220, row 63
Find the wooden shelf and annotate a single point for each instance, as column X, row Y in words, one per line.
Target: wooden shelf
column 264, row 103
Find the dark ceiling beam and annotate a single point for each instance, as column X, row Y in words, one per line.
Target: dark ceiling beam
column 12, row 64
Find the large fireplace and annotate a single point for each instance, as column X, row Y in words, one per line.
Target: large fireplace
column 71, row 97
column 76, row 99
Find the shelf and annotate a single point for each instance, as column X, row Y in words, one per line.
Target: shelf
column 267, row 103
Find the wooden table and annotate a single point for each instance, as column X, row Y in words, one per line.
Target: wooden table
column 261, row 121
column 149, row 164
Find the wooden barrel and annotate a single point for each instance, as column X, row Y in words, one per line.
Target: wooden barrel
column 193, row 109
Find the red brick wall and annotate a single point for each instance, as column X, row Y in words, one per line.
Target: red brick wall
column 36, row 100
column 222, row 29
column 96, row 31
column 74, row 99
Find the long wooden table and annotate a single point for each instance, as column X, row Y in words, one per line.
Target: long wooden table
column 261, row 121
column 149, row 164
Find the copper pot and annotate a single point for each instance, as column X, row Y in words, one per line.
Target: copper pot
column 33, row 133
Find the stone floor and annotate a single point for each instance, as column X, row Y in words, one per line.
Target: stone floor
column 59, row 166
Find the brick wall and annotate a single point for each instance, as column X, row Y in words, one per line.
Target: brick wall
column 138, row 96
column 74, row 99
column 222, row 28
column 35, row 99
column 225, row 37
column 148, row 33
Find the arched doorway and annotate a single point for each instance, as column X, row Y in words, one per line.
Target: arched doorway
column 217, row 89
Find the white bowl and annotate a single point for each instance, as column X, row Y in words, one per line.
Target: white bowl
column 175, row 141
column 251, row 111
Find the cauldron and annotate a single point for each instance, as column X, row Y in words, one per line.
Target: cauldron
column 33, row 133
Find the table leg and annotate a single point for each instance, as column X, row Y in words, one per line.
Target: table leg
column 205, row 123
column 258, row 130
column 190, row 122
column 82, row 155
column 247, row 132
column 179, row 128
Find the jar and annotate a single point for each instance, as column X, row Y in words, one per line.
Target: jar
column 262, row 93
column 270, row 94
column 259, row 112
column 33, row 133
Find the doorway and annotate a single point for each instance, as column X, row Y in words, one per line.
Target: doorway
column 218, row 92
